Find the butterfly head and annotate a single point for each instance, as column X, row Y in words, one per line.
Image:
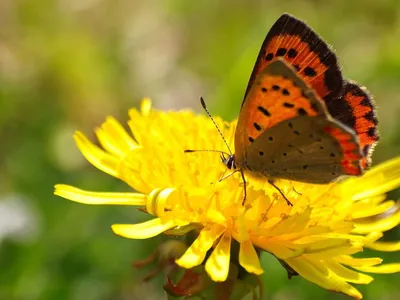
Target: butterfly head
column 229, row 161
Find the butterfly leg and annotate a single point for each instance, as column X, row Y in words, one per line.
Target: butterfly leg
column 296, row 191
column 271, row 182
column 244, row 182
column 244, row 186
column 227, row 176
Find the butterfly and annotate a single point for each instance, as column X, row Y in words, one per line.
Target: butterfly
column 300, row 120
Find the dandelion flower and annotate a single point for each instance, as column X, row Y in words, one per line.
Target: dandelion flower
column 316, row 237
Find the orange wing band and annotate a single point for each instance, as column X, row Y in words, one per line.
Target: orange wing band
column 350, row 149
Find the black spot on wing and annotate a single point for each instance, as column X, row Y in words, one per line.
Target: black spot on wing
column 288, row 105
column 292, row 53
column 302, row 112
column 256, row 126
column 365, row 101
column 281, row 52
column 269, row 56
column 341, row 110
column 264, row 111
column 372, row 131
column 310, row 72
column 370, row 116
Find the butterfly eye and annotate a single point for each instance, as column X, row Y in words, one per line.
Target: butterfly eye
column 229, row 162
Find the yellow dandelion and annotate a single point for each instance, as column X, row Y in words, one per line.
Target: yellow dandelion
column 316, row 237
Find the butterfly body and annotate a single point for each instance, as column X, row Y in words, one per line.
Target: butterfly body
column 299, row 119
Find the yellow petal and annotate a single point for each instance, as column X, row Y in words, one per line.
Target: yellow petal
column 326, row 244
column 145, row 106
column 100, row 159
column 100, row 198
column 217, row 265
column 358, row 262
column 373, row 236
column 328, row 248
column 369, row 202
column 333, row 252
column 379, row 180
column 341, row 226
column 338, row 236
column 308, row 234
column 384, row 246
column 382, row 269
column 248, row 258
column 317, row 272
column 114, row 138
column 143, row 230
column 242, row 232
column 278, row 249
column 295, row 223
column 157, row 199
column 347, row 274
column 217, row 216
column 372, row 210
column 196, row 253
column 384, row 224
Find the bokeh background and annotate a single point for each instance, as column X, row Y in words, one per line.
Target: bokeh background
column 67, row 64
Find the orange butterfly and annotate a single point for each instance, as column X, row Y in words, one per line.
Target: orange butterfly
column 299, row 119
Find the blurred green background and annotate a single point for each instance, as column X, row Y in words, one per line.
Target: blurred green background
column 67, row 64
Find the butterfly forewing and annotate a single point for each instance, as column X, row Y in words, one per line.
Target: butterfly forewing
column 277, row 94
column 301, row 47
column 281, row 113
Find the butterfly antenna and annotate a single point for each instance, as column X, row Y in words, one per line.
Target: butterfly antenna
column 201, row 150
column 203, row 104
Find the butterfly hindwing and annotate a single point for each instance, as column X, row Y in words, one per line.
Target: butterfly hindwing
column 281, row 111
column 356, row 109
column 315, row 150
column 300, row 46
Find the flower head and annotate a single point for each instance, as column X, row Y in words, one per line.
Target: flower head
column 316, row 237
